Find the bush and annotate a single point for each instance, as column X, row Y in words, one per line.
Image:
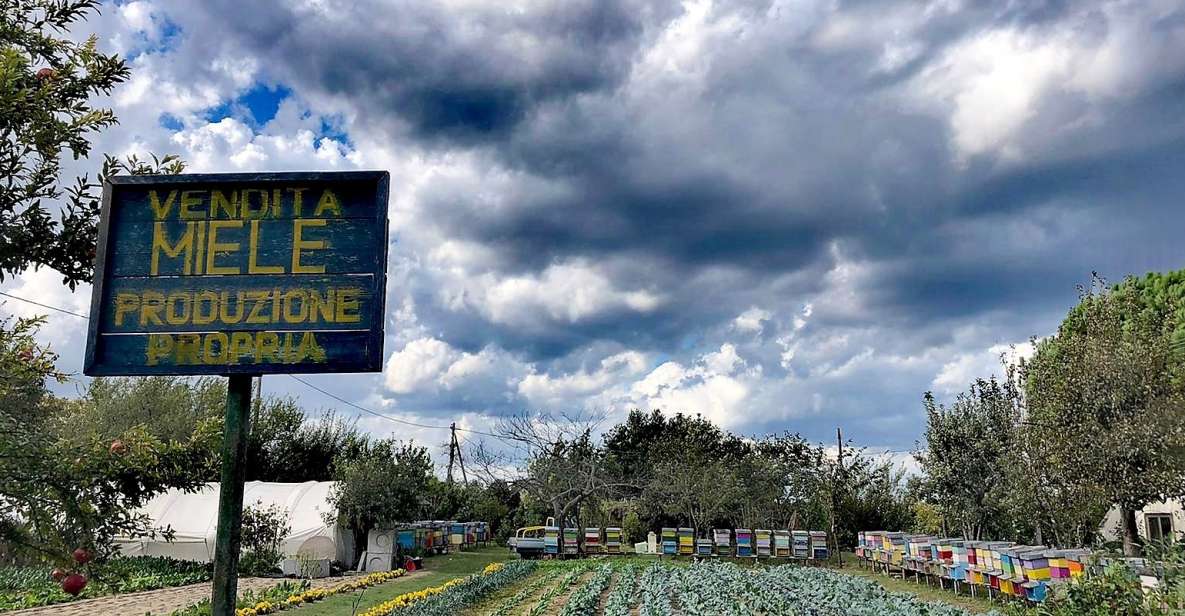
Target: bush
column 264, row 528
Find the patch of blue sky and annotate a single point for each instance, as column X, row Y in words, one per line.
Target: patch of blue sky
column 167, row 37
column 170, row 122
column 255, row 107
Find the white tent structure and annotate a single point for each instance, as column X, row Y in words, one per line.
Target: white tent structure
column 194, row 519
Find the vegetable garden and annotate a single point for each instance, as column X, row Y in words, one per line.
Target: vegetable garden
column 660, row 588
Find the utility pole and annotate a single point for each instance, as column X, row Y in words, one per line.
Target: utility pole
column 454, row 454
column 452, row 441
column 835, row 485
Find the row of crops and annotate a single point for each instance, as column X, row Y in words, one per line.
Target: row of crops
column 647, row 588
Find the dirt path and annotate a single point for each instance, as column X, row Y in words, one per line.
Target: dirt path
column 156, row 602
column 557, row 605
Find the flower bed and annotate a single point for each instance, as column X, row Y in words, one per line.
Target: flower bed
column 453, row 596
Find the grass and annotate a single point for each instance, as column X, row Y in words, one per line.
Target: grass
column 922, row 591
column 439, row 569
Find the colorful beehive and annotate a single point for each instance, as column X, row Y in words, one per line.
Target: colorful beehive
column 818, row 545
column 592, row 541
column 801, row 545
column 483, row 532
column 407, row 539
column 571, row 541
column 782, row 544
column 1012, row 575
column 613, row 540
column 686, row 541
column 1037, row 573
column 670, row 541
column 956, row 569
column 917, row 552
column 744, row 542
column 1077, row 561
column 551, row 540
column 703, row 546
column 894, row 548
column 764, row 542
column 722, row 537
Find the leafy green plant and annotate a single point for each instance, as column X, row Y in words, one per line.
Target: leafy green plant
column 24, row 587
column 264, row 528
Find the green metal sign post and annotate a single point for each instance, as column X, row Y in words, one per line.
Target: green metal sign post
column 230, row 495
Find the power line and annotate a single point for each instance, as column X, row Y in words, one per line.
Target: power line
column 29, row 301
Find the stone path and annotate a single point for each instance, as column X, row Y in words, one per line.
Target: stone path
column 156, row 602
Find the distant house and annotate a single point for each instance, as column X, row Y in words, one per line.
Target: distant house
column 1156, row 522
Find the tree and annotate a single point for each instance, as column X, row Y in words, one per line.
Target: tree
column 58, row 493
column 967, row 455
column 1106, row 408
column 48, row 81
column 562, row 467
column 385, row 487
column 169, row 408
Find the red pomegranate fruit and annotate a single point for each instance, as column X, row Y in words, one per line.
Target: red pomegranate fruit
column 82, row 556
column 57, row 574
column 73, row 584
column 118, row 447
column 45, row 73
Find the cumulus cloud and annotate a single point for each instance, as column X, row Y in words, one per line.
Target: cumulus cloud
column 782, row 215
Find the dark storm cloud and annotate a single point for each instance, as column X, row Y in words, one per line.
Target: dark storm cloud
column 767, row 156
column 467, row 75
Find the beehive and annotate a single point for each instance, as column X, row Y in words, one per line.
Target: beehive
column 613, row 540
column 551, row 540
column 764, row 541
column 722, row 537
column 686, row 541
column 703, row 546
column 782, row 543
column 744, row 542
column 670, row 541
column 571, row 541
column 818, row 545
column 592, row 540
column 801, row 545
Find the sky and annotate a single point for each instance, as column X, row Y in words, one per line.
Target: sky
column 784, row 216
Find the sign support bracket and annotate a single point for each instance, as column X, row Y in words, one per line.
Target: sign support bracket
column 230, row 495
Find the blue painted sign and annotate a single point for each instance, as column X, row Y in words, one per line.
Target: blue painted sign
column 240, row 274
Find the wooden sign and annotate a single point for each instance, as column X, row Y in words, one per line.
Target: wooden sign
column 240, row 274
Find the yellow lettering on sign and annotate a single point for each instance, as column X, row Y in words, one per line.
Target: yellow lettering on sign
column 180, row 250
column 172, row 314
column 241, row 344
column 260, row 208
column 159, row 346
column 219, row 201
column 328, row 202
column 299, row 244
column 152, row 305
column 125, row 303
column 161, row 211
column 224, row 313
column 214, row 348
column 213, row 246
column 347, row 306
column 297, row 202
column 267, row 347
column 253, row 266
column 188, row 349
column 207, row 301
column 189, row 200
